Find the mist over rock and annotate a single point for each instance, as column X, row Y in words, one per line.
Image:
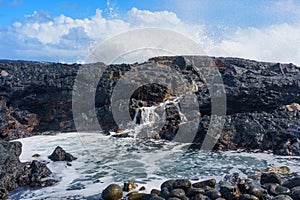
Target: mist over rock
column 261, row 109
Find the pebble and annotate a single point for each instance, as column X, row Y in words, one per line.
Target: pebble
column 155, row 192
column 4, row 73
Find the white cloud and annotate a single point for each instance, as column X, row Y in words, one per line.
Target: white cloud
column 286, row 9
column 277, row 43
column 147, row 18
column 63, row 38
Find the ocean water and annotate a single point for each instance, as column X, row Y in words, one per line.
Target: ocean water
column 103, row 160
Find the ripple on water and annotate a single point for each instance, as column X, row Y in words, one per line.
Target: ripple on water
column 103, row 160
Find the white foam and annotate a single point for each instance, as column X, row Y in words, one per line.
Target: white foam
column 103, row 160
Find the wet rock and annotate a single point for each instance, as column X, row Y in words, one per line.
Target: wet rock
column 112, row 192
column 211, row 183
column 155, row 192
column 174, row 198
column 167, row 184
column 271, row 177
column 295, row 194
column 266, row 197
column 14, row 174
column 248, row 197
column 256, row 191
column 36, row 155
column 165, row 193
column 194, row 191
column 142, row 188
column 182, row 184
column 151, row 197
column 244, row 185
column 135, row 196
column 213, row 194
column 293, row 182
column 200, row 197
column 230, row 192
column 177, row 193
column 282, row 197
column 295, row 188
column 275, row 189
column 61, row 155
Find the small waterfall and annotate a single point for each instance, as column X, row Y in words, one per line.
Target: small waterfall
column 148, row 121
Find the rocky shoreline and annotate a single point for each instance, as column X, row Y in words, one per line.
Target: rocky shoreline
column 14, row 174
column 275, row 184
column 262, row 110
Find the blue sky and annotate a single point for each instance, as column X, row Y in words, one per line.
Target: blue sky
column 65, row 30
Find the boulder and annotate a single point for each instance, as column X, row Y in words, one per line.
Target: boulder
column 59, row 154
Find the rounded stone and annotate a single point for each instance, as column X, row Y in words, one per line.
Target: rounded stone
column 230, row 192
column 151, row 197
column 135, row 196
column 295, row 188
column 275, row 190
column 256, row 191
column 296, row 194
column 213, row 194
column 155, row 192
column 282, row 197
column 270, row 177
column 177, row 193
column 112, row 192
column 200, row 197
column 193, row 191
column 211, row 183
column 248, row 197
column 167, row 184
column 293, row 182
column 184, row 184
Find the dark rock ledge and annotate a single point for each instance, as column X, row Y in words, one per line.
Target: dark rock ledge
column 262, row 100
column 14, row 174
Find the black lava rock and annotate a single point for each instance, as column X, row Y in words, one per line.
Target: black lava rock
column 61, row 155
column 292, row 182
column 271, row 177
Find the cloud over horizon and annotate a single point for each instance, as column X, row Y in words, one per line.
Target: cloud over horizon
column 39, row 36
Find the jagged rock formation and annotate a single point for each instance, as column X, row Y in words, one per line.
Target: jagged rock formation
column 37, row 97
column 15, row 174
